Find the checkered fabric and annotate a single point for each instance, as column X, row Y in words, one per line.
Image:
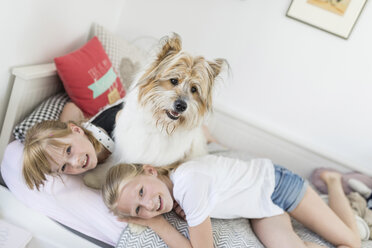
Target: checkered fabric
column 50, row 109
column 118, row 48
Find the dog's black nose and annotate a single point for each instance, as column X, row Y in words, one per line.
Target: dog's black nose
column 180, row 105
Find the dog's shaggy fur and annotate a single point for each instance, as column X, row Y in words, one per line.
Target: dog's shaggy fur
column 161, row 122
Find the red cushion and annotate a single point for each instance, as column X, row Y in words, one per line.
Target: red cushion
column 89, row 78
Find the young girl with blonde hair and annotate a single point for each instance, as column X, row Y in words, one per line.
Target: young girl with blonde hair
column 226, row 188
column 63, row 146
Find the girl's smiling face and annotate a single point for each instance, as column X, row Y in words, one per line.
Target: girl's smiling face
column 146, row 196
column 78, row 156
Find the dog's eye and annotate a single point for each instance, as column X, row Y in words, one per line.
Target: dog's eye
column 193, row 89
column 68, row 150
column 174, row 81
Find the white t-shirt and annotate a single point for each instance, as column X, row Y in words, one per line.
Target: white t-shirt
column 225, row 188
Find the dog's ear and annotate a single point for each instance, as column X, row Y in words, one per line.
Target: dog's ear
column 170, row 45
column 217, row 66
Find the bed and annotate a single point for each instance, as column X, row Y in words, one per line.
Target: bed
column 91, row 220
column 33, row 84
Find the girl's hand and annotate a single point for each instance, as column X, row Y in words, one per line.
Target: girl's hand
column 179, row 211
column 144, row 222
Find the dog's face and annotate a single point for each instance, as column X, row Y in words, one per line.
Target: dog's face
column 177, row 87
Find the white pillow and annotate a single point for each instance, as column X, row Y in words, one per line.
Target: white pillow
column 67, row 201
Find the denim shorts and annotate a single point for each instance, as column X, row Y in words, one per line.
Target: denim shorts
column 289, row 189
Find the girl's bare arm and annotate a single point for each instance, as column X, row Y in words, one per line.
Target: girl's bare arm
column 202, row 235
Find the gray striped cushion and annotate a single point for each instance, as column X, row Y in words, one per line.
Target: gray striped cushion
column 226, row 234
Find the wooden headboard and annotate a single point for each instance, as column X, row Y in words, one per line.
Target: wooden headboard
column 32, row 84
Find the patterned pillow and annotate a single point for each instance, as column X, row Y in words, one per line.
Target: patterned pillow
column 125, row 57
column 50, row 109
column 228, row 233
column 89, row 77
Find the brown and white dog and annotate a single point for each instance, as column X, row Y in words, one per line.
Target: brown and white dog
column 161, row 122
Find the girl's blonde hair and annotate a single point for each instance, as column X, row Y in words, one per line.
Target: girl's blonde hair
column 119, row 176
column 36, row 159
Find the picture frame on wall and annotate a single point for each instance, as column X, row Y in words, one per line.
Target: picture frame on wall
column 334, row 16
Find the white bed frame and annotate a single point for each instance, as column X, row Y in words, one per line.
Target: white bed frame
column 32, row 84
column 35, row 83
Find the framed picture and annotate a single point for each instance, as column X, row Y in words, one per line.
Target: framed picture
column 335, row 16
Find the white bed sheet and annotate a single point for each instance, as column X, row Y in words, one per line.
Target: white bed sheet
column 66, row 200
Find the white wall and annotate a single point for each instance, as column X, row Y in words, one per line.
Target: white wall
column 37, row 31
column 293, row 80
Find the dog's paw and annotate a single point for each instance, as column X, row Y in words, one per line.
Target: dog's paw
column 136, row 229
column 93, row 180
